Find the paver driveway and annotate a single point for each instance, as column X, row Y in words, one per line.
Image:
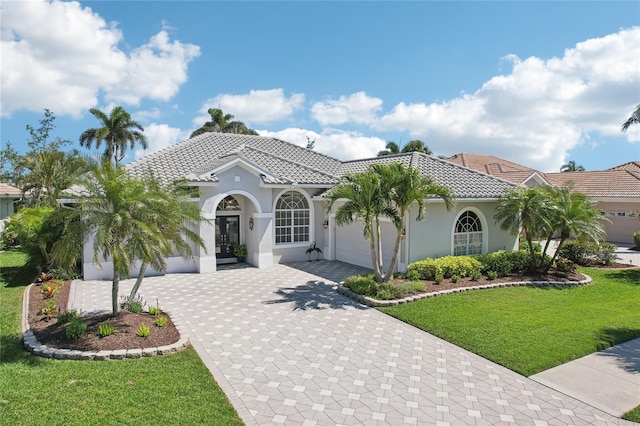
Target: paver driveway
column 287, row 349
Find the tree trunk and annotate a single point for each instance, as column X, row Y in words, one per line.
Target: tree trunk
column 136, row 286
column 555, row 255
column 114, row 290
column 379, row 247
column 374, row 258
column 394, row 258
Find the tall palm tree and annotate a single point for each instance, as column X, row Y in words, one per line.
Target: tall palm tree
column 363, row 201
column 126, row 218
column 118, row 131
column 633, row 119
column 571, row 166
column 408, row 186
column 390, row 149
column 416, row 146
column 525, row 211
column 222, row 123
column 573, row 214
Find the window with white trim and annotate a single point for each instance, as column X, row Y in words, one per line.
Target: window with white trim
column 467, row 235
column 292, row 218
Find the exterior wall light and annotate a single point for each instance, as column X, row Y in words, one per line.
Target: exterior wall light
column 325, row 223
column 251, row 224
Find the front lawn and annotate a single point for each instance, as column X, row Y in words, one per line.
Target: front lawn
column 174, row 389
column 529, row 330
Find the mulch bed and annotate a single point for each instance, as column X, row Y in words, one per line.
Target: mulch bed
column 52, row 334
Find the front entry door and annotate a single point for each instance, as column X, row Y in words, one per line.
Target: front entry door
column 227, row 237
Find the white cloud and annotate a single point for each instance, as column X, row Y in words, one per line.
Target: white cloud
column 339, row 144
column 540, row 110
column 145, row 115
column 61, row 56
column 257, row 106
column 161, row 136
column 355, row 108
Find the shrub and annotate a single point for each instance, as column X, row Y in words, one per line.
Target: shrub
column 67, row 316
column 106, row 329
column 76, row 329
column 524, row 246
column 135, row 306
column 505, row 262
column 65, row 274
column 361, row 284
column 455, row 278
column 154, row 310
column 386, row 291
column 412, row 287
column 50, row 308
column 161, row 321
column 586, row 253
column 49, row 289
column 476, row 276
column 143, row 330
column 636, row 239
column 446, row 266
column 565, row 266
column 413, row 274
column 492, row 275
column 439, row 277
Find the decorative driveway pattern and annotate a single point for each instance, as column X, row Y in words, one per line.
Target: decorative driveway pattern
column 287, row 349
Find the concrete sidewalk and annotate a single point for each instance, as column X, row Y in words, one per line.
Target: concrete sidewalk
column 608, row 380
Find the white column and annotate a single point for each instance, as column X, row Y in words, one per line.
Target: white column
column 263, row 257
column 330, row 238
column 207, row 259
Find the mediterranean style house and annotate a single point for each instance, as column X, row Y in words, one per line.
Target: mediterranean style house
column 617, row 190
column 268, row 194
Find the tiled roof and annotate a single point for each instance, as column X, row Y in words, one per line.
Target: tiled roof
column 286, row 162
column 498, row 167
column 612, row 183
column 632, row 166
column 463, row 181
column 7, row 190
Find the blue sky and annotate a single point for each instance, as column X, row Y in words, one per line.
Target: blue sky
column 538, row 83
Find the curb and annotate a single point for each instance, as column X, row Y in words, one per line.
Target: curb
column 375, row 303
column 33, row 346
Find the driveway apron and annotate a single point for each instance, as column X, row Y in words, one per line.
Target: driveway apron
column 287, row 349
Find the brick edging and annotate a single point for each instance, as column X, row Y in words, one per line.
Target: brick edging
column 374, row 303
column 32, row 344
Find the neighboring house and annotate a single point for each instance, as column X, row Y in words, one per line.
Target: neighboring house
column 8, row 197
column 617, row 190
column 267, row 194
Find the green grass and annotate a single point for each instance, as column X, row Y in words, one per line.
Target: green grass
column 174, row 389
column 529, row 330
column 633, row 415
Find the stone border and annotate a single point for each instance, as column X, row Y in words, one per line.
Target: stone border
column 374, row 303
column 32, row 344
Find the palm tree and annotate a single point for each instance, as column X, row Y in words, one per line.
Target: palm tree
column 634, row 119
column 390, row 149
column 364, row 201
column 128, row 218
column 571, row 166
column 416, row 146
column 118, row 131
column 222, row 123
column 408, row 186
column 527, row 211
column 573, row 214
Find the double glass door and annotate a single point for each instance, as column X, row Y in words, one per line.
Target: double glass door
column 227, row 236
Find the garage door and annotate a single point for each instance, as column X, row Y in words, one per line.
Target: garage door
column 353, row 248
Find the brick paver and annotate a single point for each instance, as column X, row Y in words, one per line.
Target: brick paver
column 287, row 349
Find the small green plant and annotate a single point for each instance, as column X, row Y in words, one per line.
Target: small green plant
column 134, row 305
column 106, row 329
column 412, row 287
column 361, row 284
column 50, row 308
column 413, row 275
column 67, row 316
column 65, row 274
column 438, row 277
column 240, row 250
column 154, row 310
column 143, row 330
column 565, row 266
column 455, row 278
column 161, row 321
column 49, row 289
column 636, row 239
column 76, row 329
column 492, row 275
column 476, row 275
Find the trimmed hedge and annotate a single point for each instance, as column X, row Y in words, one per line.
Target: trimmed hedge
column 636, row 239
column 505, row 262
column 367, row 286
column 444, row 267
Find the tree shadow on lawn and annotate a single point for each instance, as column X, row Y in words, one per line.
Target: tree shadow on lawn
column 627, row 276
column 627, row 356
column 18, row 276
column 313, row 295
column 12, row 351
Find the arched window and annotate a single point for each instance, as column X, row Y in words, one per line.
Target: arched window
column 229, row 203
column 292, row 218
column 467, row 234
